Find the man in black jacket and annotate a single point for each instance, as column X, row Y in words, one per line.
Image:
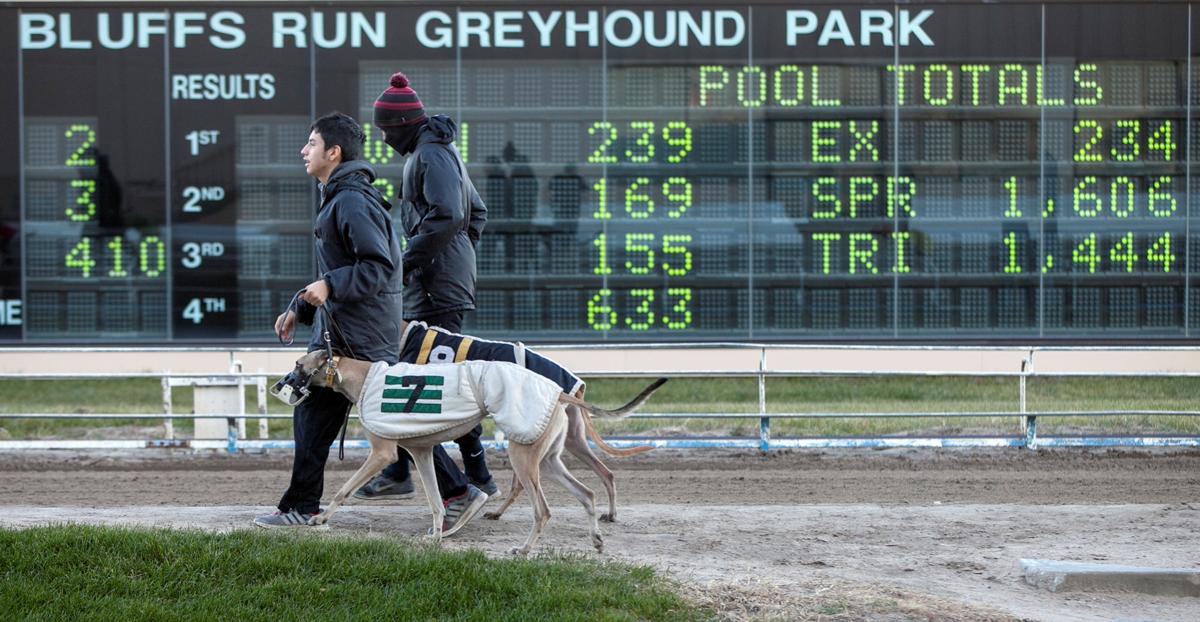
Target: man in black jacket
column 358, row 255
column 443, row 218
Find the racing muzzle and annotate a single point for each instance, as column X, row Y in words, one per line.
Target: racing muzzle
column 292, row 388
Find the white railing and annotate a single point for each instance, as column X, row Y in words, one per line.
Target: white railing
column 759, row 361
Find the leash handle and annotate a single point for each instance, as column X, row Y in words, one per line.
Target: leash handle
column 291, row 306
column 294, row 305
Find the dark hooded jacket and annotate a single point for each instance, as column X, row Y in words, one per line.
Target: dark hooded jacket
column 358, row 254
column 443, row 218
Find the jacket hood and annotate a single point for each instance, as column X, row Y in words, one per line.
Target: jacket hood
column 346, row 170
column 439, row 129
column 355, row 174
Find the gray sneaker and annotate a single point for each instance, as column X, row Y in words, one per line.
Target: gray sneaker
column 286, row 519
column 384, row 487
column 461, row 509
column 489, row 486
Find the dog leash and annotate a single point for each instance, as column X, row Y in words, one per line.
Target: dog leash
column 329, row 321
column 294, row 306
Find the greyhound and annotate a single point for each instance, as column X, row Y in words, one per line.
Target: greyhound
column 579, row 430
column 347, row 376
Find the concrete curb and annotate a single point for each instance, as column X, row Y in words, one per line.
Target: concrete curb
column 1060, row 576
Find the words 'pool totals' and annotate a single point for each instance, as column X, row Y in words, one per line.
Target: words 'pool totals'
column 466, row 29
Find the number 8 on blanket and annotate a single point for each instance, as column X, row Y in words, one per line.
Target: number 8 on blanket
column 412, row 396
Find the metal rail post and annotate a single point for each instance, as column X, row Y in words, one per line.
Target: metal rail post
column 764, row 422
column 236, row 368
column 168, row 422
column 264, row 430
column 1028, row 422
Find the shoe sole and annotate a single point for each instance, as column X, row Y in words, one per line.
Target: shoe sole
column 305, row 526
column 386, row 497
column 467, row 515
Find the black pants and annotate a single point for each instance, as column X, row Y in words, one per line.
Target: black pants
column 315, row 423
column 468, row 444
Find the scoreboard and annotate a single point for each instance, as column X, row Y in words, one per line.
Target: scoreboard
column 999, row 171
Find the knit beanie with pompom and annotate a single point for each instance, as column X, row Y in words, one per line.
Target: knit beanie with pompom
column 398, row 104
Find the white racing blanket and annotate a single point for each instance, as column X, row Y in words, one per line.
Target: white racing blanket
column 406, row 400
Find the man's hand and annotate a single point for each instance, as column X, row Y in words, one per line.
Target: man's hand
column 315, row 293
column 284, row 325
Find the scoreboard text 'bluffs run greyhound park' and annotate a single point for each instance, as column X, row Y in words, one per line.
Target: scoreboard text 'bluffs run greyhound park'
column 1012, row 172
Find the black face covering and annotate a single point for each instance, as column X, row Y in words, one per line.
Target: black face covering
column 402, row 138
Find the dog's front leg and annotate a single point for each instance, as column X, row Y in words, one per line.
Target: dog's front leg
column 423, row 462
column 383, row 453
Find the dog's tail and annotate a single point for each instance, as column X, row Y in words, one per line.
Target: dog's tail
column 609, row 449
column 619, row 412
column 633, row 405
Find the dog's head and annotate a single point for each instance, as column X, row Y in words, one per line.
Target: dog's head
column 294, row 387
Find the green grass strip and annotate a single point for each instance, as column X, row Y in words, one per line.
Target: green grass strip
column 933, row 395
column 101, row 573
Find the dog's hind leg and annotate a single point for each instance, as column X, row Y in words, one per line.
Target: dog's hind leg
column 514, row 492
column 525, row 465
column 383, row 453
column 554, row 466
column 423, row 462
column 577, row 444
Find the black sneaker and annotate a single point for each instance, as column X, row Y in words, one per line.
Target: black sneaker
column 384, row 487
column 488, row 486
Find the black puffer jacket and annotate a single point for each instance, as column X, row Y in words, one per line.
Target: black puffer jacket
column 358, row 254
column 443, row 218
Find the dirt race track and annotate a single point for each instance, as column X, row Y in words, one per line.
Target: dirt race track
column 855, row 534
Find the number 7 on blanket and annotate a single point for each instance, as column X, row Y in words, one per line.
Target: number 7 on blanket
column 412, row 397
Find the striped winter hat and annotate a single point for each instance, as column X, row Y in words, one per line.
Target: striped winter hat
column 398, row 104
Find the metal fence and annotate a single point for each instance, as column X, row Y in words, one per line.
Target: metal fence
column 232, row 421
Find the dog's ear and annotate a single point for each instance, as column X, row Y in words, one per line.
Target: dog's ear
column 311, row 361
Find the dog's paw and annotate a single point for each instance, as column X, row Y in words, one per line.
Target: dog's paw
column 608, row 518
column 518, row 550
column 491, row 515
column 598, row 542
column 433, row 535
column 318, row 520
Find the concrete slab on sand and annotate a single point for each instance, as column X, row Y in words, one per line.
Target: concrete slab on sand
column 1060, row 576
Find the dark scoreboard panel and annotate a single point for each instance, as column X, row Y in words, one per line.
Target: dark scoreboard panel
column 772, row 171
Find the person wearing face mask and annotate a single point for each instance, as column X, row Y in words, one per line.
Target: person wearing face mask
column 442, row 218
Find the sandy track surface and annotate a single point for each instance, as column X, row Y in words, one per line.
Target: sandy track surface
column 938, row 532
